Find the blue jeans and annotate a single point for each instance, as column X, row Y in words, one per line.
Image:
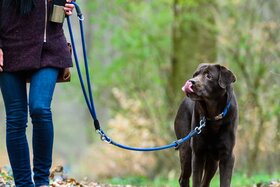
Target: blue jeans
column 13, row 87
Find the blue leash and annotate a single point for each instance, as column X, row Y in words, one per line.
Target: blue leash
column 90, row 102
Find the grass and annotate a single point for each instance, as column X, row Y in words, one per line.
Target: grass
column 238, row 180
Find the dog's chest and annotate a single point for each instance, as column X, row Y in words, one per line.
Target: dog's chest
column 213, row 140
column 213, row 128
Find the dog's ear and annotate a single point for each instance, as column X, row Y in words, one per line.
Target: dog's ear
column 202, row 66
column 226, row 77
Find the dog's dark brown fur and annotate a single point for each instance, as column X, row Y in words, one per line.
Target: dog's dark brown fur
column 208, row 93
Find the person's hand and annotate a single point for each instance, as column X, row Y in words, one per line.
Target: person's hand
column 69, row 7
column 1, row 60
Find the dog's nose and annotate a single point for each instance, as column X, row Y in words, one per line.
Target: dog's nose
column 192, row 81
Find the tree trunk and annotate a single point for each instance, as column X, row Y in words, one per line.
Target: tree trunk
column 192, row 43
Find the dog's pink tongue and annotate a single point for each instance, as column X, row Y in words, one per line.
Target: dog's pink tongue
column 187, row 87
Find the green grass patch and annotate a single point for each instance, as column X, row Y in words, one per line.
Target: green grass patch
column 238, row 180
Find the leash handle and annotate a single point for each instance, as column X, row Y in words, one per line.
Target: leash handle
column 89, row 100
column 78, row 10
column 89, row 95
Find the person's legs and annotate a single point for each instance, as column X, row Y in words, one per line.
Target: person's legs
column 42, row 86
column 13, row 89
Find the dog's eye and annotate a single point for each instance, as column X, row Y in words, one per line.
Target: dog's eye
column 208, row 76
column 195, row 74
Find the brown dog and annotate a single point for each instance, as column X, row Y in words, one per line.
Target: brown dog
column 210, row 96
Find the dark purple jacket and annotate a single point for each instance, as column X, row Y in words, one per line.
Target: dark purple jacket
column 32, row 42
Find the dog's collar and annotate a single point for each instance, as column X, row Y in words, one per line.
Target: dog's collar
column 221, row 115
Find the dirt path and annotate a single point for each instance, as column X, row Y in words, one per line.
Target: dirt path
column 58, row 179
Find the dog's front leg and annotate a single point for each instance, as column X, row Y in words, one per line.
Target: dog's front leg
column 186, row 170
column 226, row 168
column 198, row 162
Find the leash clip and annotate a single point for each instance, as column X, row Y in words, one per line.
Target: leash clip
column 103, row 136
column 202, row 124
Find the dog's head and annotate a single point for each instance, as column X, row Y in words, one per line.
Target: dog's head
column 209, row 81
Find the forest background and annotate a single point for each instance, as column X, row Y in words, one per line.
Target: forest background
column 141, row 52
